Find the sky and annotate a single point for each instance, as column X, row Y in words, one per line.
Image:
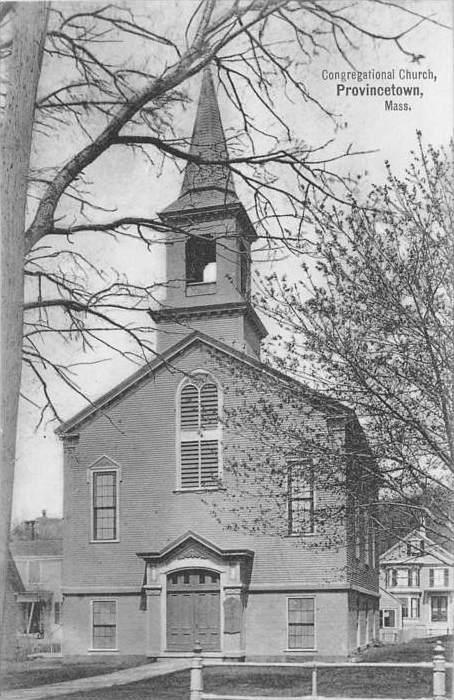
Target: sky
column 124, row 182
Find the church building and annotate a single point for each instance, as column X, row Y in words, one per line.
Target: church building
column 208, row 498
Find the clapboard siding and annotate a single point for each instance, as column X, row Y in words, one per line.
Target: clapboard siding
column 138, row 433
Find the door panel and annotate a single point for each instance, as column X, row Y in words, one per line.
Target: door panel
column 193, row 610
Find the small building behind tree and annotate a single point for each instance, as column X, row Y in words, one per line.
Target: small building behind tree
column 37, row 549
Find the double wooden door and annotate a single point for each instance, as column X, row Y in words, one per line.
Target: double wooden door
column 193, row 610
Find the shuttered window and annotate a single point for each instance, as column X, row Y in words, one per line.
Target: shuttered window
column 199, row 435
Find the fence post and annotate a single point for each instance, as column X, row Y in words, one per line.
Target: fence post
column 314, row 680
column 196, row 673
column 439, row 672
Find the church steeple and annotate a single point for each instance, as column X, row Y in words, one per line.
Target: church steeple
column 208, row 251
column 206, row 185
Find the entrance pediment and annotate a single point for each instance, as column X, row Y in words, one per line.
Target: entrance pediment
column 192, row 545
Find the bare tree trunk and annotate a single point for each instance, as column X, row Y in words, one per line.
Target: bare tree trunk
column 25, row 23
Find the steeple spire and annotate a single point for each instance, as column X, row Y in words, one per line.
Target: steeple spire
column 206, row 186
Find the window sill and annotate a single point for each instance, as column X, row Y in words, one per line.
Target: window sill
column 102, row 651
column 301, row 534
column 300, row 651
column 202, row 489
column 195, row 289
column 104, row 541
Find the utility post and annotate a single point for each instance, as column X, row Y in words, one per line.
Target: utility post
column 196, row 673
column 439, row 672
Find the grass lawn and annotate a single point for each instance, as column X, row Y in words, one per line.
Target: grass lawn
column 28, row 674
column 266, row 681
column 414, row 650
column 351, row 682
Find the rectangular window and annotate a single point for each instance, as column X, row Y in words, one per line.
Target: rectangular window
column 105, row 505
column 301, row 499
column 439, row 608
column 438, row 578
column 301, row 623
column 404, row 602
column 372, row 545
column 410, row 607
column 34, row 571
column 415, row 548
column 387, row 618
column 32, row 618
column 57, row 612
column 104, row 624
column 414, row 608
column 413, row 577
column 244, row 269
column 200, row 260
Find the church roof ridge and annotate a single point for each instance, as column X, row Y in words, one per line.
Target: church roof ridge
column 166, row 356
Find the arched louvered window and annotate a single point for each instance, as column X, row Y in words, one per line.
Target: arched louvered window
column 199, row 434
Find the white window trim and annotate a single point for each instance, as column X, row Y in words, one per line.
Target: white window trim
column 287, row 629
column 194, row 435
column 104, row 464
column 292, row 462
column 92, row 647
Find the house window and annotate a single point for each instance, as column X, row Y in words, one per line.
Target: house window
column 105, row 505
column 34, row 571
column 404, row 602
column 387, row 618
column 357, row 531
column 200, row 260
column 405, row 578
column 372, row 544
column 33, row 617
column 301, row 499
column 57, row 612
column 415, row 548
column 301, row 623
column 439, row 608
column 104, row 615
column 414, row 607
column 438, row 578
column 410, row 607
column 244, row 268
column 199, row 434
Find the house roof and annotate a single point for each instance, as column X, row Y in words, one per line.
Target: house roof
column 37, row 548
column 40, row 528
column 393, row 554
column 206, row 186
column 318, row 399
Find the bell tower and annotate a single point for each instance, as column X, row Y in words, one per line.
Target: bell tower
column 208, row 249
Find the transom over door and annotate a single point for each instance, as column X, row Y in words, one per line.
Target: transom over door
column 193, row 610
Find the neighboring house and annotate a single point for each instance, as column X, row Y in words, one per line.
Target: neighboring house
column 420, row 574
column 390, row 618
column 156, row 555
column 12, row 614
column 37, row 548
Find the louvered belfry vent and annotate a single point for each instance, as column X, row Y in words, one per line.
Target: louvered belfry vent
column 199, row 436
